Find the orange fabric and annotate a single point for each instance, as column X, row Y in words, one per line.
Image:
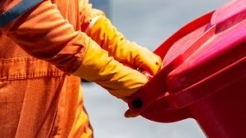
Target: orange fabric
column 37, row 99
column 64, row 47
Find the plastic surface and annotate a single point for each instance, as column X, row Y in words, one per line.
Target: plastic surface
column 203, row 75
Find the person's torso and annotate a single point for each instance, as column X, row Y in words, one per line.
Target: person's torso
column 37, row 99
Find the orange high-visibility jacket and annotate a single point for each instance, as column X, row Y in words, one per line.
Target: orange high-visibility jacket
column 37, row 100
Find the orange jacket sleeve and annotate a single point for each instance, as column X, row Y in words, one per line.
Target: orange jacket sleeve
column 34, row 31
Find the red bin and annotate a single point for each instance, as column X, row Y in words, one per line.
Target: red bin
column 203, row 75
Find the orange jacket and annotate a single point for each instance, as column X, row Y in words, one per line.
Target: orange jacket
column 38, row 100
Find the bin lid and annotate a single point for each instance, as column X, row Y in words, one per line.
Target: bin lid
column 209, row 48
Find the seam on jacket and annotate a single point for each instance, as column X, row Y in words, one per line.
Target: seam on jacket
column 16, row 11
column 26, row 68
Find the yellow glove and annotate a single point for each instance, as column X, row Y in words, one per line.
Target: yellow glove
column 129, row 53
column 121, row 81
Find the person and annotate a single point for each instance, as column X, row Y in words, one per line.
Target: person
column 46, row 47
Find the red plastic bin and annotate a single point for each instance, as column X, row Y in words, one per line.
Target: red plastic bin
column 203, row 75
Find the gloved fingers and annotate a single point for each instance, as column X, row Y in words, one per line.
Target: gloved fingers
column 148, row 61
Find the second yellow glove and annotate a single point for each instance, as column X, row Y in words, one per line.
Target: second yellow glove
column 129, row 53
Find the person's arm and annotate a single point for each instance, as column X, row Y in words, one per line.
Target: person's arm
column 43, row 33
column 101, row 30
column 127, row 52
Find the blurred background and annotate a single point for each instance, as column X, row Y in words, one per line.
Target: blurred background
column 149, row 23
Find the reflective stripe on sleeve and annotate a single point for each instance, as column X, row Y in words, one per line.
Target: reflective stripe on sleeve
column 16, row 11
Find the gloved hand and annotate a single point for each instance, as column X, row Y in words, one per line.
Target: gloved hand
column 129, row 53
column 121, row 81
